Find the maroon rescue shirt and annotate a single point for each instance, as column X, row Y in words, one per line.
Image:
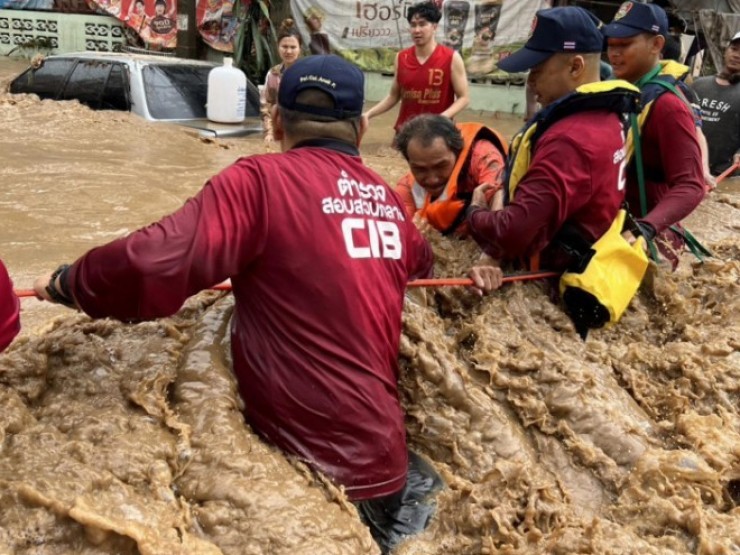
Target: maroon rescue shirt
column 425, row 88
column 577, row 175
column 319, row 250
column 9, row 310
column 674, row 178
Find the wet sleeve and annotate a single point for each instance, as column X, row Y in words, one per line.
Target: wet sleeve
column 487, row 165
column 681, row 160
column 693, row 101
column 151, row 272
column 10, row 323
column 403, row 188
column 419, row 256
column 269, row 91
column 268, row 98
column 543, row 202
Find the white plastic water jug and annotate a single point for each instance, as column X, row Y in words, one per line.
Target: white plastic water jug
column 227, row 93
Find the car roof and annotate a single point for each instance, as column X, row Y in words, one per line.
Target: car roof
column 131, row 58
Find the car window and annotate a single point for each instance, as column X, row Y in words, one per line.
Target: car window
column 99, row 84
column 87, row 82
column 176, row 91
column 46, row 81
column 116, row 95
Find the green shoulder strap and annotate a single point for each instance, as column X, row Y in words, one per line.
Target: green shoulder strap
column 696, row 248
column 666, row 85
column 641, row 178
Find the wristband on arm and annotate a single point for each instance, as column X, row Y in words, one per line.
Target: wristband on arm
column 60, row 295
column 639, row 228
column 646, row 230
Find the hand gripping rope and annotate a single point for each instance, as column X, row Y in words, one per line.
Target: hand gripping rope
column 441, row 282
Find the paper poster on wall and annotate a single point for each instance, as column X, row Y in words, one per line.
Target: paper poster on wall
column 371, row 32
column 155, row 21
column 217, row 23
column 26, row 4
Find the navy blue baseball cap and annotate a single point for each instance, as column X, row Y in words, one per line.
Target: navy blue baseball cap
column 335, row 76
column 634, row 18
column 555, row 30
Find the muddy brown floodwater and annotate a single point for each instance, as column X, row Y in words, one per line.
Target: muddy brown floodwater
column 122, row 439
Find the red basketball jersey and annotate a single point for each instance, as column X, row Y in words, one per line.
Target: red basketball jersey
column 425, row 88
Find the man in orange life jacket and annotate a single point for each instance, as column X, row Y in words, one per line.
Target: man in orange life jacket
column 447, row 163
column 565, row 174
column 671, row 155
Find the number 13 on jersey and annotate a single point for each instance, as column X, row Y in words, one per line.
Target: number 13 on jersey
column 436, row 77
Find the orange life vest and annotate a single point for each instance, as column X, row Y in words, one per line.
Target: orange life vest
column 447, row 211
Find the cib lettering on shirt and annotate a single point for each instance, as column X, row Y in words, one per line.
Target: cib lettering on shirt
column 369, row 223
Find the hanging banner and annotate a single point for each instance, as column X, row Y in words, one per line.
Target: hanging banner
column 154, row 20
column 27, row 4
column 371, row 32
column 217, row 23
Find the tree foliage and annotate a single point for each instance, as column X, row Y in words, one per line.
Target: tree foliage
column 254, row 46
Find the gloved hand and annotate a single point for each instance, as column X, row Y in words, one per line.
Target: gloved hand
column 646, row 230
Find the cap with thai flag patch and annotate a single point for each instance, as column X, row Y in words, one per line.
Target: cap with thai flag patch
column 633, row 18
column 567, row 29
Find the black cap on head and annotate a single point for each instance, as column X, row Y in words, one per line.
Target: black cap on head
column 634, row 18
column 333, row 75
column 555, row 30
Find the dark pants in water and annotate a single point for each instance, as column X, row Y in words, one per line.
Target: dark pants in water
column 393, row 518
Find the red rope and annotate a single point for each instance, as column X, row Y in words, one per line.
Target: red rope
column 727, row 172
column 462, row 282
column 440, row 282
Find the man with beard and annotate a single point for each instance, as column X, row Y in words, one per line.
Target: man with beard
column 720, row 109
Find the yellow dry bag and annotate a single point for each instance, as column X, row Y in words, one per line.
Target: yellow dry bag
column 599, row 290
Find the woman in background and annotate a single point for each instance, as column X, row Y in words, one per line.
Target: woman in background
column 289, row 50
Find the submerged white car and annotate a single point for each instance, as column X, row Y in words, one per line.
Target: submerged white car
column 157, row 88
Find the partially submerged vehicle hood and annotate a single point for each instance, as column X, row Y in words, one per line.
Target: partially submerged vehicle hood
column 212, row 129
